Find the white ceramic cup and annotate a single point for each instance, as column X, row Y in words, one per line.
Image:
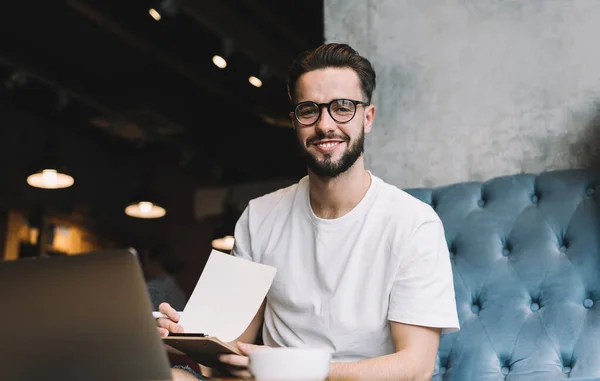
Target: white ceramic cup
column 290, row 364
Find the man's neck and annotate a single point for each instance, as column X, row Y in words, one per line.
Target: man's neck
column 334, row 197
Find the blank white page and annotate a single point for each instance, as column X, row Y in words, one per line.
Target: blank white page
column 227, row 296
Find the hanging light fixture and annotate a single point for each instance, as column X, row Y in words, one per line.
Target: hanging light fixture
column 145, row 203
column 50, row 179
column 47, row 173
column 52, row 174
column 145, row 209
column 223, row 243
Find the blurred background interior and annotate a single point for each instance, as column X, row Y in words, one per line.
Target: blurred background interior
column 144, row 124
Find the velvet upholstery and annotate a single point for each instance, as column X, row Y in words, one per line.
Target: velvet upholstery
column 525, row 252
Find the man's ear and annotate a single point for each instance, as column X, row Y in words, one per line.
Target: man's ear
column 369, row 118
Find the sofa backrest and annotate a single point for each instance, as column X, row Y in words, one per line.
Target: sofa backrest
column 525, row 253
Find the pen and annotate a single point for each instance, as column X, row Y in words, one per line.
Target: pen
column 156, row 315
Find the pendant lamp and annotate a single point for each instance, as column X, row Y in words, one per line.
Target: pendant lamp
column 50, row 178
column 145, row 209
column 49, row 172
column 146, row 203
column 223, row 243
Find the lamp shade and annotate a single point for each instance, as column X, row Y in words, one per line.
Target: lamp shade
column 223, row 243
column 50, row 178
column 48, row 170
column 145, row 209
column 145, row 202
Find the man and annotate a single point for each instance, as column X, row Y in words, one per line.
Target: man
column 363, row 267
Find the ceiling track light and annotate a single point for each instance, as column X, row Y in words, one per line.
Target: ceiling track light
column 220, row 60
column 154, row 14
column 167, row 7
column 254, row 81
column 263, row 74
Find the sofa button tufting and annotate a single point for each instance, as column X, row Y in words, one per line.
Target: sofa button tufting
column 588, row 303
column 535, row 307
column 475, row 308
column 590, row 192
column 535, row 199
column 505, row 252
column 566, row 369
column 563, row 249
column 505, row 370
column 451, row 253
column 443, row 370
column 481, row 203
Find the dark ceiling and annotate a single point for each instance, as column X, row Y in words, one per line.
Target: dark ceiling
column 108, row 71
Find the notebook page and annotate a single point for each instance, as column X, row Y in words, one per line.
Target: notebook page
column 227, row 296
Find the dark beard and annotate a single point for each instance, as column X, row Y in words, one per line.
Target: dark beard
column 328, row 168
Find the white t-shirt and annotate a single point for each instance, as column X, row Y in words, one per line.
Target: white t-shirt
column 340, row 281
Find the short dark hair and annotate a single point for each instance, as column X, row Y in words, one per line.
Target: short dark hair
column 335, row 56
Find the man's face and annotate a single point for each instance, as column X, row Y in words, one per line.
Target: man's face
column 331, row 148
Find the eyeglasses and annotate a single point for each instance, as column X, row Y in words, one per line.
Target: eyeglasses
column 341, row 110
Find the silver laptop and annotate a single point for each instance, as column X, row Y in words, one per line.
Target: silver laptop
column 83, row 317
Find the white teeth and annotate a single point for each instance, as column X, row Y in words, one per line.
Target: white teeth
column 328, row 145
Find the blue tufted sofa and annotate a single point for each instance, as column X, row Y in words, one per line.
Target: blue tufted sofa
column 525, row 252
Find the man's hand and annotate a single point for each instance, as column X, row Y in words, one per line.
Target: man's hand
column 238, row 365
column 166, row 326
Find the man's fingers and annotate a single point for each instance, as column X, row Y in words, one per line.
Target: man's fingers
column 163, row 332
column 169, row 325
column 234, row 360
column 166, row 309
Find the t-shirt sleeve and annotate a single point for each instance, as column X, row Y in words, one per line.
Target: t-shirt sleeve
column 423, row 288
column 241, row 246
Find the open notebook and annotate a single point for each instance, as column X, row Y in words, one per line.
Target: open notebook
column 224, row 302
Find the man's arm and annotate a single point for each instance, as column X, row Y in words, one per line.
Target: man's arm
column 425, row 275
column 414, row 359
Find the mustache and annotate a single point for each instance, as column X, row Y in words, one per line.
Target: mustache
column 321, row 136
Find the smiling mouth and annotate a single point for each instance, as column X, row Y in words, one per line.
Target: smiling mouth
column 327, row 145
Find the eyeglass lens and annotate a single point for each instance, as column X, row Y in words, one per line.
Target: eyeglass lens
column 341, row 110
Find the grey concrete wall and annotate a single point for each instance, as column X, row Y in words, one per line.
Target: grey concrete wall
column 471, row 89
